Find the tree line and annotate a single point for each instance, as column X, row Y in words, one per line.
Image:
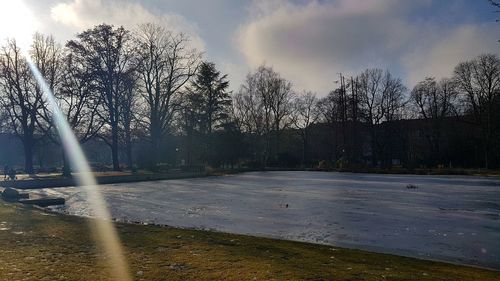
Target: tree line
column 140, row 91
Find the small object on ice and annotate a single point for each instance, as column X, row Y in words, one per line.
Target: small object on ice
column 412, row 186
column 286, row 206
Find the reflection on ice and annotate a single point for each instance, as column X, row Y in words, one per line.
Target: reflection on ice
column 447, row 218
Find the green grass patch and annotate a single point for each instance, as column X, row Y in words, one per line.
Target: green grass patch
column 35, row 245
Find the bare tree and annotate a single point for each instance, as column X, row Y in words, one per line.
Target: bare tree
column 106, row 52
column 22, row 97
column 381, row 99
column 249, row 108
column 251, row 117
column 371, row 99
column 393, row 100
column 434, row 102
column 479, row 81
column 129, row 104
column 165, row 65
column 276, row 95
column 78, row 99
column 46, row 54
column 73, row 88
column 281, row 106
column 264, row 107
column 306, row 113
column 340, row 110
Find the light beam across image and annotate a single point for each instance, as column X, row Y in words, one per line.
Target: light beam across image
column 17, row 22
column 102, row 226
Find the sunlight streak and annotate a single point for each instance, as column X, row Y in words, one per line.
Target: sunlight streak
column 102, row 227
column 17, row 21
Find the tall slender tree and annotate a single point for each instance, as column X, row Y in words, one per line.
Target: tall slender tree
column 212, row 87
column 22, row 97
column 381, row 99
column 479, row 81
column 306, row 113
column 165, row 64
column 106, row 52
column 212, row 102
column 264, row 105
column 434, row 102
column 78, row 101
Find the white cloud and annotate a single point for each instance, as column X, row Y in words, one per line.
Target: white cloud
column 311, row 43
column 439, row 59
column 78, row 15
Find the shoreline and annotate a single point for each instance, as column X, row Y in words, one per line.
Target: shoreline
column 57, row 181
column 155, row 251
column 164, row 201
column 345, row 246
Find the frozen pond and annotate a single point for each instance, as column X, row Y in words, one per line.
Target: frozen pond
column 447, row 218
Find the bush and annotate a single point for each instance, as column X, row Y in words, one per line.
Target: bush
column 324, row 165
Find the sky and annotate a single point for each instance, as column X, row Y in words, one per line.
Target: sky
column 308, row 42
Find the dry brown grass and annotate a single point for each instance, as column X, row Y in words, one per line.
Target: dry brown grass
column 35, row 245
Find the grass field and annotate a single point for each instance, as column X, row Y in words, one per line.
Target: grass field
column 35, row 245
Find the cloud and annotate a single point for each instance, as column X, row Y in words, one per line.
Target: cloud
column 311, row 43
column 439, row 58
column 78, row 15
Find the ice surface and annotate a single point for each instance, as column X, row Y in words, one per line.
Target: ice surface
column 446, row 218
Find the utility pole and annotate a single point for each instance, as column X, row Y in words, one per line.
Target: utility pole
column 354, row 119
column 343, row 112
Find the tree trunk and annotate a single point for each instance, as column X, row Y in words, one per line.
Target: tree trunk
column 277, row 145
column 155, row 145
column 128, row 144
column 304, row 148
column 155, row 131
column 114, row 147
column 28, row 156
column 66, row 170
column 486, row 148
column 374, row 147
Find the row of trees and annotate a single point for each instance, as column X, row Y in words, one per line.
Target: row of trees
column 363, row 107
column 150, row 85
column 109, row 82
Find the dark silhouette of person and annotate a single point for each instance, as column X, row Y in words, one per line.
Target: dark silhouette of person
column 12, row 174
column 5, row 171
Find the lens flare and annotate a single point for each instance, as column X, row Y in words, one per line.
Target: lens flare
column 17, row 21
column 102, row 227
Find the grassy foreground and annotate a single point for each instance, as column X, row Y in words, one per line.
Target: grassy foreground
column 35, row 245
